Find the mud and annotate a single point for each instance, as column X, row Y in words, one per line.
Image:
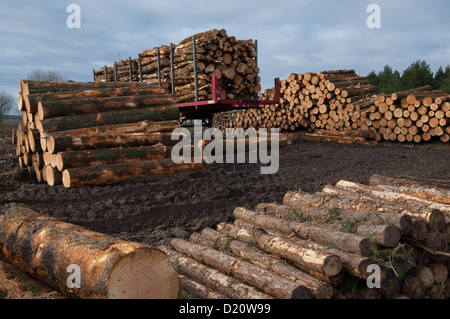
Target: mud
column 153, row 209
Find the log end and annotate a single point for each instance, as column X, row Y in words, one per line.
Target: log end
column 391, row 236
column 144, row 274
column 301, row 292
column 332, row 265
column 365, row 247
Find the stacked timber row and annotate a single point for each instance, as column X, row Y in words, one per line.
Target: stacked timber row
column 416, row 115
column 80, row 134
column 231, row 60
column 326, row 245
column 42, row 257
column 325, row 100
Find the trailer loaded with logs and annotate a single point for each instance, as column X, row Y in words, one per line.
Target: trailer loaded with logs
column 206, row 73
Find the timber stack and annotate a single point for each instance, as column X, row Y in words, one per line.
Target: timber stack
column 231, row 60
column 415, row 115
column 326, row 245
column 80, row 134
column 40, row 257
column 327, row 101
column 340, row 106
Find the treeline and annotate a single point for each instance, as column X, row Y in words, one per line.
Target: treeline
column 417, row 74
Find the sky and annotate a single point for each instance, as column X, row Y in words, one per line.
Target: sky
column 294, row 36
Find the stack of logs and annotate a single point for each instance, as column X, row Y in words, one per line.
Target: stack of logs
column 80, row 134
column 415, row 115
column 388, row 240
column 323, row 100
column 329, row 102
column 231, row 60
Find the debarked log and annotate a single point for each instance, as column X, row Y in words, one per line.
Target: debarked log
column 51, row 250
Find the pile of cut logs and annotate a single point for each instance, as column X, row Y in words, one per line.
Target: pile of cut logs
column 313, row 100
column 80, row 134
column 44, row 258
column 231, row 60
column 416, row 115
column 329, row 102
column 388, row 240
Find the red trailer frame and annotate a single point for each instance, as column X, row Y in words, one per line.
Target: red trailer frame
column 205, row 109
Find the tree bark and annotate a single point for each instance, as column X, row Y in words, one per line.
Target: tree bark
column 155, row 114
column 16, row 284
column 114, row 173
column 211, row 277
column 57, row 108
column 82, row 158
column 345, row 241
column 255, row 276
column 319, row 289
column 103, row 141
column 110, row 268
column 316, row 262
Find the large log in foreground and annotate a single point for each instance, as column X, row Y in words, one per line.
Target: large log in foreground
column 50, row 250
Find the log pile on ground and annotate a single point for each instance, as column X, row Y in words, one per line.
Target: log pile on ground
column 416, row 115
column 80, row 134
column 323, row 100
column 51, row 251
column 326, row 245
column 327, row 105
column 231, row 60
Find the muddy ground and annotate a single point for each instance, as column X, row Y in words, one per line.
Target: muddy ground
column 153, row 209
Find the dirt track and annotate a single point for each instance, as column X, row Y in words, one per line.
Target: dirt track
column 153, row 209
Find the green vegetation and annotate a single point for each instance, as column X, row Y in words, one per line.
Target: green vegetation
column 417, row 74
column 334, row 215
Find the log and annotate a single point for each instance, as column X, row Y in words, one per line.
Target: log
column 385, row 235
column 45, row 247
column 412, row 188
column 310, row 259
column 32, row 101
column 102, row 141
column 41, row 87
column 155, row 114
column 197, row 290
column 16, row 284
column 319, row 289
column 114, row 173
column 211, row 277
column 436, row 219
column 255, row 276
column 57, row 108
column 344, row 241
column 320, row 214
column 82, row 158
